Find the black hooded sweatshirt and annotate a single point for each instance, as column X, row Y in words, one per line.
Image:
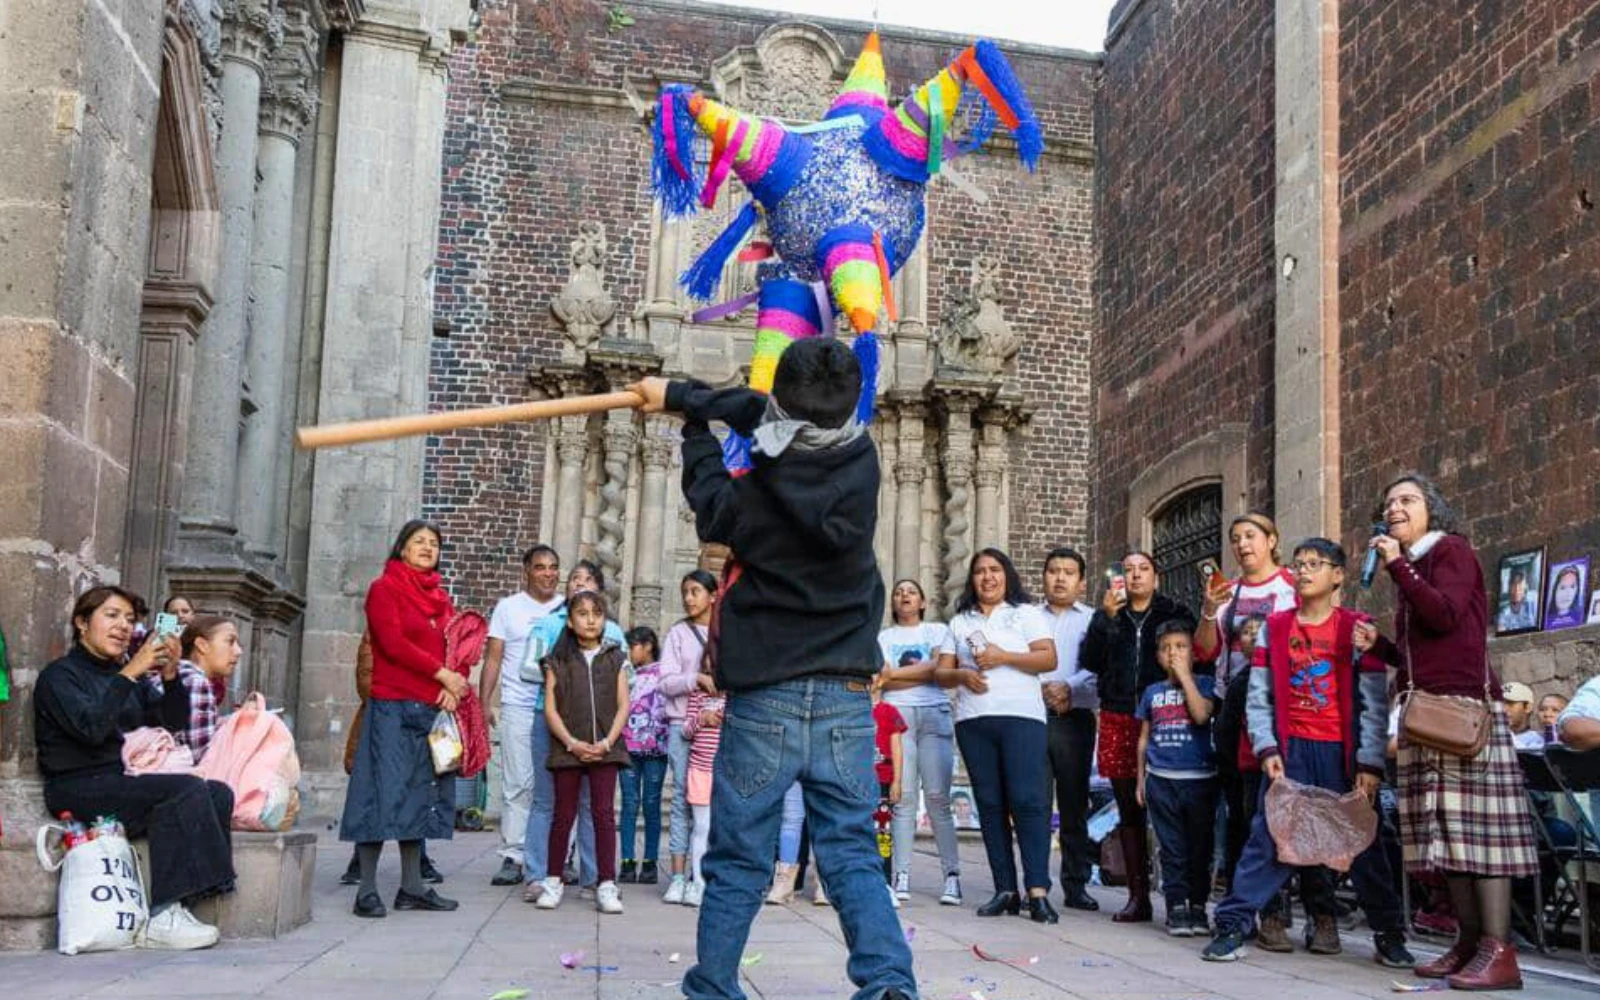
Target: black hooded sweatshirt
column 809, row 600
column 1121, row 651
column 81, row 707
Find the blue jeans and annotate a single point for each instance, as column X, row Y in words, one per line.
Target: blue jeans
column 542, row 812
column 641, row 785
column 1008, row 760
column 794, row 824
column 1260, row 874
column 682, row 821
column 1184, row 813
column 818, row 731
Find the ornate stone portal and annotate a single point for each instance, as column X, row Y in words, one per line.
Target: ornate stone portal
column 945, row 425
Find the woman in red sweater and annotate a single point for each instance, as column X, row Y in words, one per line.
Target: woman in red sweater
column 1467, row 818
column 393, row 792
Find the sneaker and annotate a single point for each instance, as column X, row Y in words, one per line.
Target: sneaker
column 1178, row 920
column 952, row 891
column 1274, row 936
column 820, row 897
column 894, row 897
column 1389, row 950
column 902, row 885
column 1227, row 947
column 532, row 890
column 675, row 890
column 176, row 929
column 550, row 895
column 647, row 873
column 510, row 873
column 606, row 898
column 629, row 872
column 693, row 893
column 1199, row 926
column 1322, row 937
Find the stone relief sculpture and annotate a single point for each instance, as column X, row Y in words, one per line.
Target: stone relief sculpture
column 584, row 307
column 974, row 333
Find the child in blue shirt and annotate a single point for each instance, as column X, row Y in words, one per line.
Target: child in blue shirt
column 1178, row 777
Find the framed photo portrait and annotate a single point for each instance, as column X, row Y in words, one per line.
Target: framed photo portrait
column 963, row 807
column 1521, row 589
column 1569, row 581
column 1594, row 608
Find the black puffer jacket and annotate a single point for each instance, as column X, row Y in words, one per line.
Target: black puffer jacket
column 1121, row 651
column 810, row 598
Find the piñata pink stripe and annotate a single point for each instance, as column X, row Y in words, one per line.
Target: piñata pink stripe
column 767, row 142
column 792, row 325
column 848, row 252
column 906, row 142
column 669, row 131
column 719, row 172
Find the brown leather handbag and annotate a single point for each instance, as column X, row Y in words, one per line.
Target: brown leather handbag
column 1452, row 724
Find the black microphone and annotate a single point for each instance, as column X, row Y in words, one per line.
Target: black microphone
column 1369, row 568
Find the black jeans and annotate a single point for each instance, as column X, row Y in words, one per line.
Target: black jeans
column 1007, row 758
column 1184, row 813
column 1071, row 741
column 187, row 820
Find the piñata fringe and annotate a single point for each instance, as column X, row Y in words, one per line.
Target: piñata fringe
column 1008, row 89
column 705, row 274
column 866, row 352
column 672, row 160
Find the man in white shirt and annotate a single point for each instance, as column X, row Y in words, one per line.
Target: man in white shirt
column 1070, row 698
column 512, row 661
column 1579, row 723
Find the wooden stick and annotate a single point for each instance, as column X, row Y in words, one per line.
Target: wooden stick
column 388, row 428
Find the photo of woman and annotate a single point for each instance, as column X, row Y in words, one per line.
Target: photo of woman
column 1568, row 583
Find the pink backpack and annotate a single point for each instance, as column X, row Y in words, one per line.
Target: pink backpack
column 253, row 754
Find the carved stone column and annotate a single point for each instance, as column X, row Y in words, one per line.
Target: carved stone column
column 622, row 362
column 572, row 450
column 250, row 33
column 286, row 109
column 656, row 449
column 989, row 473
column 908, row 475
column 958, row 406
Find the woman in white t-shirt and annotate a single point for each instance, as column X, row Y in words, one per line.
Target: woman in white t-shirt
column 910, row 655
column 999, row 644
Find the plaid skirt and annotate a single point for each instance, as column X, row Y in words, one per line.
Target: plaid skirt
column 1117, row 752
column 1467, row 815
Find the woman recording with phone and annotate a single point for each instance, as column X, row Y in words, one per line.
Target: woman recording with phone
column 1463, row 814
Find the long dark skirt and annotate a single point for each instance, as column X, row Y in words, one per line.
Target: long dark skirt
column 187, row 820
column 393, row 792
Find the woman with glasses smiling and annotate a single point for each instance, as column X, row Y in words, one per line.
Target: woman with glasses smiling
column 1465, row 817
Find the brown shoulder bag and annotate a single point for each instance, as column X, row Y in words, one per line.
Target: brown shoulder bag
column 1452, row 724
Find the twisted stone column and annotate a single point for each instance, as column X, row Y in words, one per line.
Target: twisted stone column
column 618, row 438
column 957, row 460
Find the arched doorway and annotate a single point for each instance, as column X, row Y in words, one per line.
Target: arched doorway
column 1185, row 532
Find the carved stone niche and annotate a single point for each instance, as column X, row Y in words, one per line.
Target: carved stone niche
column 792, row 72
column 585, row 308
column 974, row 334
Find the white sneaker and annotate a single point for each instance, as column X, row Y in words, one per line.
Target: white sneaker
column 675, row 889
column 952, row 891
column 902, row 885
column 693, row 893
column 894, row 899
column 176, row 929
column 606, row 899
column 550, row 897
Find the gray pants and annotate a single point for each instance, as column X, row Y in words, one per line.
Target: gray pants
column 928, row 758
column 682, row 819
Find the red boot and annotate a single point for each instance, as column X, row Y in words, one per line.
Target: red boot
column 1494, row 967
column 1450, row 963
column 1136, row 855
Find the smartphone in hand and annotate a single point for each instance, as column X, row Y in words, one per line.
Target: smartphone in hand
column 167, row 625
column 1212, row 575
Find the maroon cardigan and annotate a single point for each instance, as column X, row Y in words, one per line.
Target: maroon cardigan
column 1443, row 614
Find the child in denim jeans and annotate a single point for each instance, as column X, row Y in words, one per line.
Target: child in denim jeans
column 794, row 641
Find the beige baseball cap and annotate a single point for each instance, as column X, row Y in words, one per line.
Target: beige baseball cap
column 1516, row 691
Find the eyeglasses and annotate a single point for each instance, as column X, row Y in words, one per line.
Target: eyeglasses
column 1404, row 500
column 1309, row 565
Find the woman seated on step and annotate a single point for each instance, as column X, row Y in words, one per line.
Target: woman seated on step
column 83, row 703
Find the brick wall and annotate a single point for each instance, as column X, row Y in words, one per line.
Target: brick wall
column 1185, row 214
column 1470, row 304
column 520, row 175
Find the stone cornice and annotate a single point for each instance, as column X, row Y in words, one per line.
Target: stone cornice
column 521, row 90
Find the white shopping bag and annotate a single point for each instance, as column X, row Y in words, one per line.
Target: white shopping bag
column 100, row 901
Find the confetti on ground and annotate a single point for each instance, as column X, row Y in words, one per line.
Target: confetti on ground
column 985, row 956
column 601, row 968
column 673, row 958
column 516, row 994
column 750, row 960
column 987, row 984
column 1400, row 987
column 1094, row 963
column 911, row 934
column 572, row 959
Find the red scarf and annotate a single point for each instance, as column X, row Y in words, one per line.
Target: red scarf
column 421, row 589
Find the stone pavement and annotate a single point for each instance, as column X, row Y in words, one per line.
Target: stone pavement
column 496, row 942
